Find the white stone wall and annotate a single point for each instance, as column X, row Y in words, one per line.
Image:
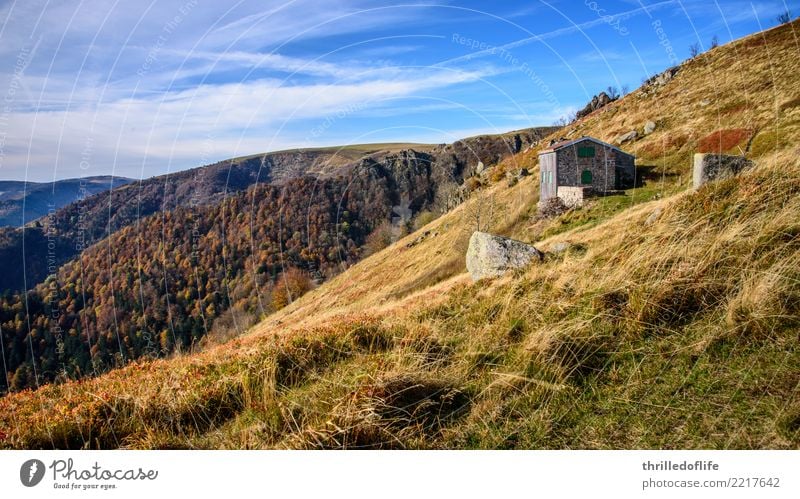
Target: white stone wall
column 573, row 196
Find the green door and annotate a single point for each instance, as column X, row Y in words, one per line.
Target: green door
column 586, row 177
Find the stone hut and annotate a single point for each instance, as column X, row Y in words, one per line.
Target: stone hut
column 575, row 169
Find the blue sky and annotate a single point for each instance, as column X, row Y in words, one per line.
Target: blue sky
column 146, row 88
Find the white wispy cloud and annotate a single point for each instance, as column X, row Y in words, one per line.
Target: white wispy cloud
column 128, row 86
column 173, row 125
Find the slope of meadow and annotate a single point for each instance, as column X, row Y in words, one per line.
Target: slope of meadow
column 750, row 85
column 671, row 321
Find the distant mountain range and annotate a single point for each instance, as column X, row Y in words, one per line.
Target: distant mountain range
column 23, row 202
column 32, row 254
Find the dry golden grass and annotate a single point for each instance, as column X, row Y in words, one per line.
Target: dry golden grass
column 671, row 321
column 537, row 356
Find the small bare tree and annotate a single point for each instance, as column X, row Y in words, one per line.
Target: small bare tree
column 612, row 92
column 714, row 42
column 625, row 89
column 694, row 50
column 481, row 212
column 785, row 17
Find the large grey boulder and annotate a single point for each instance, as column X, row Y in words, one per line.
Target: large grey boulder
column 649, row 127
column 491, row 256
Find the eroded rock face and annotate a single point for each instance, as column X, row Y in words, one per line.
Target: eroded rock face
column 660, row 79
column 600, row 100
column 454, row 163
column 489, row 255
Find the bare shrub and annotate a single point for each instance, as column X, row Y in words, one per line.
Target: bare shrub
column 551, row 208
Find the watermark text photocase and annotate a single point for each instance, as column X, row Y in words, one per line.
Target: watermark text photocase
column 65, row 474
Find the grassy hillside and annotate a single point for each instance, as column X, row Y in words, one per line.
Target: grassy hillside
column 692, row 112
column 677, row 332
column 671, row 320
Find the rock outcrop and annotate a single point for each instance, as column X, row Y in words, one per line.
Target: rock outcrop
column 512, row 178
column 653, row 217
column 649, row 127
column 454, row 163
column 600, row 100
column 409, row 176
column 655, row 82
column 489, row 255
column 425, row 235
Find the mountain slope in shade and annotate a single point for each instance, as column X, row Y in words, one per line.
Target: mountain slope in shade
column 24, row 202
column 79, row 225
